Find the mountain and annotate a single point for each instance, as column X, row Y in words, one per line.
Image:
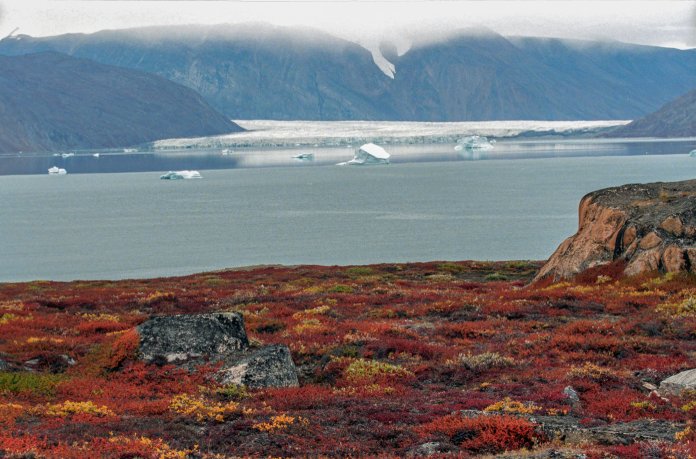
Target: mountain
column 675, row 119
column 51, row 101
column 258, row 71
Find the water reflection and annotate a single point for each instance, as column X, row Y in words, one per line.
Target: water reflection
column 130, row 161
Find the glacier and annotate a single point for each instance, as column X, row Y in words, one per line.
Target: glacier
column 271, row 133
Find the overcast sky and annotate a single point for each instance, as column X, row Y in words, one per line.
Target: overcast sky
column 664, row 23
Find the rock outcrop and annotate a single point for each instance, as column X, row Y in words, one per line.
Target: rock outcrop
column 676, row 384
column 191, row 340
column 647, row 226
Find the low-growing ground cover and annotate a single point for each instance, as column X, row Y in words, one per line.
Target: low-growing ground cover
column 389, row 356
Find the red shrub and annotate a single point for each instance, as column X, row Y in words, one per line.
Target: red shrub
column 484, row 434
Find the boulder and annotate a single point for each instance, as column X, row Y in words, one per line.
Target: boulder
column 269, row 366
column 647, row 227
column 182, row 338
column 191, row 340
column 676, row 384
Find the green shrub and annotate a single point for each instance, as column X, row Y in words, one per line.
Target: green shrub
column 36, row 383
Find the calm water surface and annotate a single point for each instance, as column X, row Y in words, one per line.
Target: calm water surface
column 121, row 225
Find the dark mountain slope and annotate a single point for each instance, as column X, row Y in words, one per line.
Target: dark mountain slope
column 261, row 71
column 50, row 101
column 675, row 119
column 248, row 71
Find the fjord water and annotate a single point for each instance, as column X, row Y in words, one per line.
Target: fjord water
column 109, row 226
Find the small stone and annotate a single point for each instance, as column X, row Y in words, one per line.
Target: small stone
column 648, row 386
column 673, row 259
column 676, row 384
column 571, row 394
column 629, row 236
column 673, row 225
column 650, row 241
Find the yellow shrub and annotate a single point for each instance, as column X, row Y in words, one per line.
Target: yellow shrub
column 100, row 317
column 689, row 406
column 160, row 449
column 685, row 308
column 361, row 370
column 43, row 339
column 279, row 422
column 507, row 405
column 67, row 408
column 202, row 409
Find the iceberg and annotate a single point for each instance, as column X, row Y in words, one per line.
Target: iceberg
column 181, row 175
column 368, row 154
column 67, row 155
column 96, row 155
column 474, row 142
column 57, row 171
column 692, row 153
column 305, row 157
column 226, row 152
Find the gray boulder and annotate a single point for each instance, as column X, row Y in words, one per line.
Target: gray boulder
column 4, row 366
column 676, row 384
column 269, row 366
column 182, row 338
column 190, row 340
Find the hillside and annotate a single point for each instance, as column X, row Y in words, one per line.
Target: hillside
column 258, row 71
column 392, row 360
column 50, row 101
column 674, row 119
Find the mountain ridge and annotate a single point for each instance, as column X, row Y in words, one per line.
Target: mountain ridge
column 258, row 71
column 50, row 101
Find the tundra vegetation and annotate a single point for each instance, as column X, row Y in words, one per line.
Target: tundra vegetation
column 464, row 357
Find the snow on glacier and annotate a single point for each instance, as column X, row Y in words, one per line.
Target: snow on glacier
column 268, row 133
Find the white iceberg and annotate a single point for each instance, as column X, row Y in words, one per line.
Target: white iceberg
column 305, row 157
column 67, row 155
column 57, row 171
column 692, row 153
column 96, row 155
column 474, row 142
column 181, row 175
column 226, row 152
column 368, row 154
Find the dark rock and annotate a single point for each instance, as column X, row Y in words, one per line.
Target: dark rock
column 269, row 366
column 549, row 454
column 190, row 340
column 643, row 227
column 676, row 384
column 624, row 433
column 182, row 338
column 4, row 366
column 50, row 363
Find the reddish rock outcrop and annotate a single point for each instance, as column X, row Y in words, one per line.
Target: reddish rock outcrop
column 647, row 226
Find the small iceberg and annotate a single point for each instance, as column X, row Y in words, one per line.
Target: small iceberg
column 96, row 155
column 304, row 157
column 474, row 142
column 181, row 175
column 67, row 155
column 692, row 153
column 226, row 152
column 130, row 150
column 368, row 154
column 57, row 171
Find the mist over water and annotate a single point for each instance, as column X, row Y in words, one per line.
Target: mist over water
column 111, row 226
